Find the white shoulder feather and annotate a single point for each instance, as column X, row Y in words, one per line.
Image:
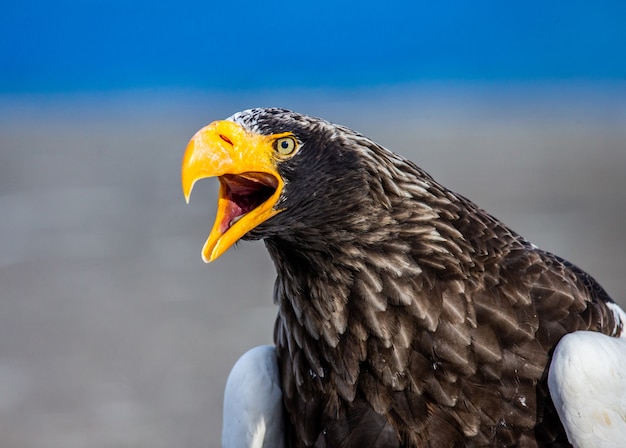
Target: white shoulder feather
column 587, row 382
column 253, row 408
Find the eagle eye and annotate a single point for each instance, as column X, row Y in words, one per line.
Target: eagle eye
column 285, row 145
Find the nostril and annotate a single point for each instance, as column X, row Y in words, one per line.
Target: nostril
column 226, row 139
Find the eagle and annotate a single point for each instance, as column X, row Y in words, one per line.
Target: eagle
column 407, row 315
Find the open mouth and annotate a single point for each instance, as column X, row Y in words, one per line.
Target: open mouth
column 250, row 184
column 243, row 193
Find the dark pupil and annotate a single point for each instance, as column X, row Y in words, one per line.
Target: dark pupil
column 284, row 144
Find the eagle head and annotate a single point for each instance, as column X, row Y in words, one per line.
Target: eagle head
column 285, row 175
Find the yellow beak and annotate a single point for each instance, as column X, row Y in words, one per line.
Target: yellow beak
column 250, row 184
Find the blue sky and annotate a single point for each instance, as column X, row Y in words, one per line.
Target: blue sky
column 73, row 45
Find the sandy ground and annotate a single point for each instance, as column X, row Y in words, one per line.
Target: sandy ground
column 113, row 333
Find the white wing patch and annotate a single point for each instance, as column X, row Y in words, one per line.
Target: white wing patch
column 253, row 409
column 587, row 382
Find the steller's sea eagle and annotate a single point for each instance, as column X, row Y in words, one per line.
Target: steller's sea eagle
column 407, row 315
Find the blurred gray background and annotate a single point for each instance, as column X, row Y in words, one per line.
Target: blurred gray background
column 114, row 333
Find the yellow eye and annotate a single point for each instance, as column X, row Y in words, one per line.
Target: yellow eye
column 285, row 145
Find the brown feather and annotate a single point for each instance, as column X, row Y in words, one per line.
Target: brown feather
column 408, row 316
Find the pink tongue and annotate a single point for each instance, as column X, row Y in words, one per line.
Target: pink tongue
column 242, row 195
column 232, row 211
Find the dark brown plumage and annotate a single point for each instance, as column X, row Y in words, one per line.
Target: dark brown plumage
column 408, row 316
